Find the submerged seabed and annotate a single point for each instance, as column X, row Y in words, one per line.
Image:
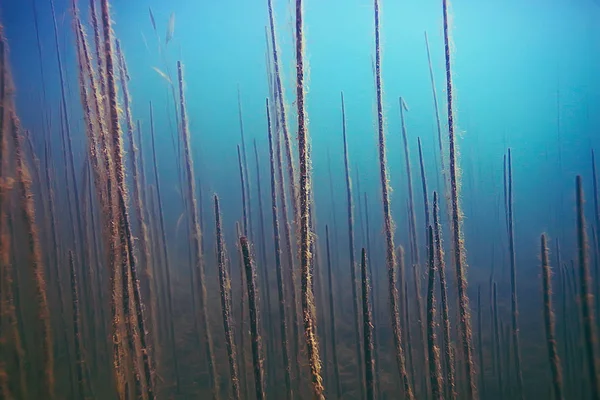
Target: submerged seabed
column 115, row 285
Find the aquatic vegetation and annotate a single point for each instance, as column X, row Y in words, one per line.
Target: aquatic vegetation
column 110, row 287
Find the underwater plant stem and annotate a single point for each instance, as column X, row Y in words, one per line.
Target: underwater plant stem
column 167, row 259
column 80, row 363
column 513, row 281
column 450, row 390
column 197, row 250
column 304, row 196
column 224, row 284
column 435, row 374
column 388, row 223
column 557, row 384
column 336, row 367
column 368, row 328
column 459, row 257
column 27, row 205
column 353, row 281
column 254, row 325
column 278, row 270
column 586, row 295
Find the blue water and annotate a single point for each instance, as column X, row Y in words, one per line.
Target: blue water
column 525, row 75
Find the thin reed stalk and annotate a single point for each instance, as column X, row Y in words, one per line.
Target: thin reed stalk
column 79, row 360
column 27, row 205
column 435, row 370
column 480, row 343
column 368, row 328
column 243, row 190
column 126, row 241
column 303, row 220
column 450, row 389
column 167, row 260
column 458, row 244
column 499, row 368
column 334, row 356
column 224, row 285
column 513, row 281
column 254, row 325
column 278, row 270
column 196, row 237
column 585, row 295
column 437, row 112
column 549, row 323
column 353, row 281
column 387, row 215
column 245, row 166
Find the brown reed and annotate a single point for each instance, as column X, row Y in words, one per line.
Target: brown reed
column 291, row 168
column 278, row 270
column 245, row 165
column 243, row 191
column 27, row 205
column 437, row 111
column 458, row 244
column 435, row 371
column 353, row 281
column 450, row 390
column 368, row 328
column 243, row 330
column 585, row 295
column 388, row 223
column 304, row 196
column 79, row 361
column 254, row 325
column 480, row 343
column 167, row 260
column 553, row 358
column 224, row 284
column 499, row 368
column 197, row 251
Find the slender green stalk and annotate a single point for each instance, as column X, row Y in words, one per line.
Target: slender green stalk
column 368, row 327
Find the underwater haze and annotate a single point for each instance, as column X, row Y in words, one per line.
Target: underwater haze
column 299, row 199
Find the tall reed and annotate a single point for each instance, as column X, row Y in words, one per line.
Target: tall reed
column 387, row 215
column 278, row 270
column 304, row 196
column 585, row 295
column 79, row 360
column 224, row 284
column 480, row 343
column 435, row 371
column 450, row 389
column 331, row 289
column 26, row 202
column 254, row 325
column 549, row 323
column 353, row 281
column 167, row 260
column 513, row 280
column 458, row 244
column 196, row 236
column 368, row 327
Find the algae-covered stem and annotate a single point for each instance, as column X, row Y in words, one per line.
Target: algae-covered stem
column 435, row 374
column 165, row 250
column 549, row 322
column 304, row 195
column 27, row 205
column 79, row 361
column 224, row 284
column 459, row 257
column 196, row 236
column 513, row 280
column 353, row 281
column 387, row 214
column 278, row 270
column 254, row 325
column 585, row 295
column 368, row 327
